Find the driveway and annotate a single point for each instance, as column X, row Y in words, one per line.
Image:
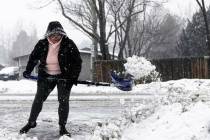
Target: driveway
column 83, row 117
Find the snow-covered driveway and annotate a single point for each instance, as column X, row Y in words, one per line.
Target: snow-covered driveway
column 83, row 117
column 171, row 105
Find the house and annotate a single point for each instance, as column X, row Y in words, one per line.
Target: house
column 85, row 74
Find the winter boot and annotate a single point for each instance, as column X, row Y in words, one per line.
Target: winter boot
column 63, row 131
column 27, row 127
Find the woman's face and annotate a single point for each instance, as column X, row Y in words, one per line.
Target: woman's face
column 55, row 38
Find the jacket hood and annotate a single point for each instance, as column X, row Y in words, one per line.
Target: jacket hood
column 55, row 27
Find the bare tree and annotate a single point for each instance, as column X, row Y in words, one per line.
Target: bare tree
column 127, row 13
column 131, row 11
column 90, row 16
column 93, row 18
column 115, row 8
column 203, row 9
column 154, row 34
column 90, row 13
column 123, row 13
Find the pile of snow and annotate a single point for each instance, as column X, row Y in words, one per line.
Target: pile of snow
column 139, row 67
column 168, row 122
column 183, row 113
column 171, row 122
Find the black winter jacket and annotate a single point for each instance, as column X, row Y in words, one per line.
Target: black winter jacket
column 68, row 57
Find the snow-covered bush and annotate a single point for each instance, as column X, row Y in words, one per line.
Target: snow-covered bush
column 141, row 69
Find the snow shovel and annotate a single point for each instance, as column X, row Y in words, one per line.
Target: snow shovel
column 119, row 82
column 122, row 83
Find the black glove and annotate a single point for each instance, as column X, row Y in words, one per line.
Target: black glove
column 26, row 74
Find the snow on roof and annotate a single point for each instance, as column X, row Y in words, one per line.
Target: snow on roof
column 84, row 51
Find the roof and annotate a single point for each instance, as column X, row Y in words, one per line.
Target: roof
column 86, row 49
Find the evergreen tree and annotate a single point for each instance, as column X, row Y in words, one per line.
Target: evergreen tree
column 24, row 43
column 193, row 41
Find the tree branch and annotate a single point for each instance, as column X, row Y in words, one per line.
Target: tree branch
column 74, row 22
column 201, row 7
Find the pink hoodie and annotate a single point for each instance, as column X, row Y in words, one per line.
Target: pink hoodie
column 53, row 67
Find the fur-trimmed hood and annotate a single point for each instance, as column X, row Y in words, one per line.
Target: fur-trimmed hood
column 54, row 27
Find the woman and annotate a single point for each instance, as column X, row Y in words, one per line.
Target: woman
column 59, row 64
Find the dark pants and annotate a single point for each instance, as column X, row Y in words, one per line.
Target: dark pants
column 44, row 88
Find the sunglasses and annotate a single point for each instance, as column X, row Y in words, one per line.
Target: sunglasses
column 56, row 35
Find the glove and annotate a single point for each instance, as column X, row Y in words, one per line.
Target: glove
column 26, row 74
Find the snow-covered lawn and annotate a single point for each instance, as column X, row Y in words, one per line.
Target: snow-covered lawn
column 175, row 110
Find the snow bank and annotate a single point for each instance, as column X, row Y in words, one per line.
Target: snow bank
column 179, row 111
column 169, row 122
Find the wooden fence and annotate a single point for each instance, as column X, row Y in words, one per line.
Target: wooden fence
column 177, row 68
column 170, row 69
column 103, row 68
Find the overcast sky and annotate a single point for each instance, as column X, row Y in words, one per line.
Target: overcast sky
column 184, row 8
column 16, row 14
column 22, row 14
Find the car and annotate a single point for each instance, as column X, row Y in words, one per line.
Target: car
column 9, row 73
